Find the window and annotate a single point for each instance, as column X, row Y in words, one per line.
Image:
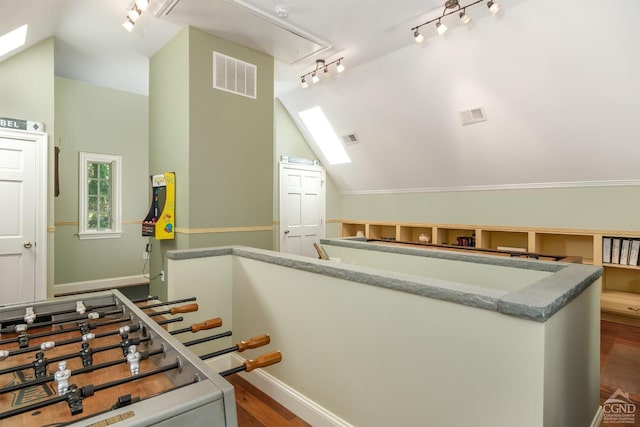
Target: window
column 325, row 137
column 100, row 215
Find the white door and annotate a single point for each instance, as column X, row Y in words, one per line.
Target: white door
column 302, row 198
column 22, row 238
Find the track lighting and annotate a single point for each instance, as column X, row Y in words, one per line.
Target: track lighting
column 451, row 7
column 493, row 7
column 464, row 18
column 142, row 4
column 324, row 66
column 417, row 36
column 134, row 13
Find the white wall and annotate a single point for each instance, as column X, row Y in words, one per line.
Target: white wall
column 557, row 80
column 377, row 357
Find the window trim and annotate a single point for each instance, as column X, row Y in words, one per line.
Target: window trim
column 116, row 196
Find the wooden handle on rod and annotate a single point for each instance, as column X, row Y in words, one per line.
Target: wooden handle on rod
column 207, row 324
column 185, row 308
column 262, row 361
column 254, row 342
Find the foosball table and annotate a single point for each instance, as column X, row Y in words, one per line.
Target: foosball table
column 100, row 359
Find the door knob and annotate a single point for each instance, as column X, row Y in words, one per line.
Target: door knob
column 27, row 245
column 286, row 231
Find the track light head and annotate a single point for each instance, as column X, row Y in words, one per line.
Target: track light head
column 142, row 4
column 339, row 66
column 493, row 7
column 128, row 25
column 133, row 14
column 304, row 83
column 464, row 18
column 441, row 27
column 314, row 78
column 417, row 36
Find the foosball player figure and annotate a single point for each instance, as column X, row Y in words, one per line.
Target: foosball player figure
column 124, row 344
column 74, row 399
column 40, row 365
column 84, row 328
column 133, row 359
column 61, row 377
column 23, row 340
column 86, row 354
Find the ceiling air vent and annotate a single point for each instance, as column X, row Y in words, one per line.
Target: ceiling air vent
column 473, row 115
column 350, row 139
column 235, row 76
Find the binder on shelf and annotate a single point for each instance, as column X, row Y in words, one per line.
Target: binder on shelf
column 615, row 250
column 606, row 250
column 634, row 252
column 624, row 251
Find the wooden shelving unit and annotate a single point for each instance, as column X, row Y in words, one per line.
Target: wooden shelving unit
column 620, row 300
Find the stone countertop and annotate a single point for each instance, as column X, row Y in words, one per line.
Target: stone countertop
column 538, row 301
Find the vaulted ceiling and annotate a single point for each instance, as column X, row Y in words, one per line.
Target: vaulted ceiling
column 558, row 90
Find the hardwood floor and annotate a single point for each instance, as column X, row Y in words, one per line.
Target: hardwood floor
column 619, row 365
column 256, row 409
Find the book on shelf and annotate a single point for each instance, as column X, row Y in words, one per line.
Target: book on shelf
column 606, row 249
column 615, row 250
column 634, row 252
column 624, row 251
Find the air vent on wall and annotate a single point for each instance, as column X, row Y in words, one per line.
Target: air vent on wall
column 232, row 75
column 473, row 115
column 350, row 139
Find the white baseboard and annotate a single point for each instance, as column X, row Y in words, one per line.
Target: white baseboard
column 99, row 285
column 291, row 399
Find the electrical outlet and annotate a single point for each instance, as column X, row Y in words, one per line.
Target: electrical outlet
column 145, row 255
column 162, row 276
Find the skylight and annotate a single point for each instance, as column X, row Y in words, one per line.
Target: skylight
column 324, row 135
column 13, row 40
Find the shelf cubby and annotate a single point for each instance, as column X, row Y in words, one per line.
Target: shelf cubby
column 381, row 231
column 449, row 236
column 412, row 233
column 565, row 244
column 492, row 239
column 350, row 229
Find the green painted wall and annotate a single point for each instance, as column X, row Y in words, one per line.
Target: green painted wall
column 219, row 144
column 231, row 140
column 290, row 142
column 100, row 120
column 613, row 208
column 169, row 139
column 27, row 92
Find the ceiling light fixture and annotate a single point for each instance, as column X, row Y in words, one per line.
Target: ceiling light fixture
column 493, row 7
column 134, row 13
column 321, row 64
column 451, row 7
column 464, row 18
column 417, row 36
